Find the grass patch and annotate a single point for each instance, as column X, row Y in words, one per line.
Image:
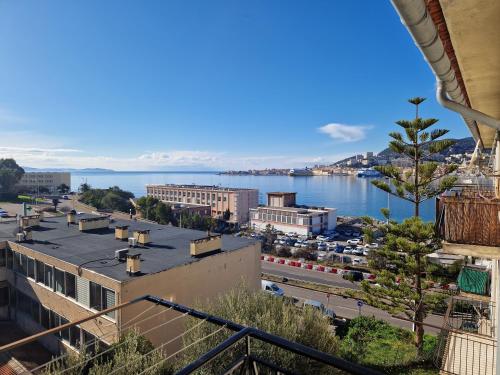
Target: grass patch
column 375, row 343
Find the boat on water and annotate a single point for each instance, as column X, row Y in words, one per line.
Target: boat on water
column 300, row 172
column 368, row 173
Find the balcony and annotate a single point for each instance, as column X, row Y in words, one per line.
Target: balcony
column 469, row 217
column 466, row 343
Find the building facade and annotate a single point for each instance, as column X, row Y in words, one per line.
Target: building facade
column 46, row 181
column 43, row 286
column 464, row 60
column 220, row 199
column 282, row 214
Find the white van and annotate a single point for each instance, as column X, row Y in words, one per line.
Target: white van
column 270, row 287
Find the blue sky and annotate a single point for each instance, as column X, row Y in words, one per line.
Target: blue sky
column 175, row 85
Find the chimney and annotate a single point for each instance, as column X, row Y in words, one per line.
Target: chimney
column 142, row 236
column 28, row 234
column 93, row 223
column 133, row 264
column 71, row 216
column 121, row 232
column 206, row 246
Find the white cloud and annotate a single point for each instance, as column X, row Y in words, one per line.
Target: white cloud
column 345, row 133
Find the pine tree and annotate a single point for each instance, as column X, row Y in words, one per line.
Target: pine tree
column 402, row 262
column 425, row 179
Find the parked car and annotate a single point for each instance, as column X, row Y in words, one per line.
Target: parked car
column 291, row 234
column 322, row 246
column 322, row 255
column 357, row 251
column 272, row 288
column 353, row 275
column 354, row 241
column 356, row 261
column 366, row 252
column 328, row 313
column 347, row 250
column 348, row 233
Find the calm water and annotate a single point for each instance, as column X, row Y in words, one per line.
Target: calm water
column 350, row 195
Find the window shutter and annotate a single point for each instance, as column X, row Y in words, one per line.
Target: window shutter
column 82, row 291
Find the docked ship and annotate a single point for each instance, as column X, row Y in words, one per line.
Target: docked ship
column 368, row 173
column 301, row 172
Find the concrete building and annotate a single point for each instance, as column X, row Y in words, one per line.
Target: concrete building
column 282, row 214
column 65, row 269
column 237, row 200
column 34, row 181
column 461, row 42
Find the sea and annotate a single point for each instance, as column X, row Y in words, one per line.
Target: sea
column 351, row 195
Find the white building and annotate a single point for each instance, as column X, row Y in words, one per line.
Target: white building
column 282, row 215
column 50, row 181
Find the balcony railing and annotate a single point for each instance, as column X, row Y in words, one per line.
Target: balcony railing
column 469, row 216
column 249, row 361
column 470, row 315
column 466, row 344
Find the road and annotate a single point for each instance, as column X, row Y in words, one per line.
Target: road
column 290, row 272
column 347, row 307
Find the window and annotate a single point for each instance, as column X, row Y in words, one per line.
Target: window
column 23, row 264
column 4, row 296
column 35, row 311
column 31, row 268
column 59, row 281
column 95, row 296
column 74, row 336
column 65, row 332
column 49, row 276
column 108, row 300
column 70, row 285
column 44, row 317
column 39, row 271
column 82, row 291
column 8, row 259
column 16, row 261
column 2, row 257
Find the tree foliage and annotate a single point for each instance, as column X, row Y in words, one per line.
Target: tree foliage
column 10, row 174
column 426, row 178
column 402, row 262
column 63, row 188
column 401, row 265
column 112, row 198
column 270, row 314
column 131, row 355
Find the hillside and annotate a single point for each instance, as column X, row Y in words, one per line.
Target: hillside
column 463, row 145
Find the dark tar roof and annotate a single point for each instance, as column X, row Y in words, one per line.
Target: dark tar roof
column 95, row 250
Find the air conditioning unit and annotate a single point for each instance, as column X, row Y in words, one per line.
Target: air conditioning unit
column 132, row 242
column 121, row 254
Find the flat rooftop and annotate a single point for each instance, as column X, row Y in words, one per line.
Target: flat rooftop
column 299, row 210
column 198, row 187
column 95, row 250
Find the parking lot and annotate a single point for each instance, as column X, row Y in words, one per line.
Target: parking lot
column 344, row 245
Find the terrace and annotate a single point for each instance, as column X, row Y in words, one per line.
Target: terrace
column 468, row 222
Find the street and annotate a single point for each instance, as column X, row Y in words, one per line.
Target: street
column 307, row 275
column 344, row 307
column 347, row 307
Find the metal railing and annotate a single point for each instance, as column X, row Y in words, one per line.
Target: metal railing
column 472, row 316
column 466, row 344
column 249, row 362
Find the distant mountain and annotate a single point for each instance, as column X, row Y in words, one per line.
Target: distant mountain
column 92, row 170
column 462, row 146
